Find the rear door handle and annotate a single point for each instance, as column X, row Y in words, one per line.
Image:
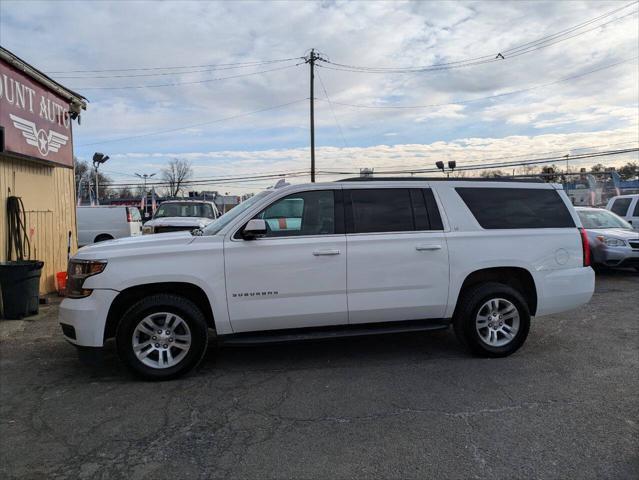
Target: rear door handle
column 319, row 253
column 423, row 248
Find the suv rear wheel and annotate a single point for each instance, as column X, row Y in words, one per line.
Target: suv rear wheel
column 162, row 336
column 492, row 320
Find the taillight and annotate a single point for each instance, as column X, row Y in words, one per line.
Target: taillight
column 585, row 247
column 129, row 218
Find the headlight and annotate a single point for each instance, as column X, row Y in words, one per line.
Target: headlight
column 78, row 272
column 611, row 242
column 147, row 229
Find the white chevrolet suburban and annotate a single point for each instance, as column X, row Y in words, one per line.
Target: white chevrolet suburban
column 355, row 257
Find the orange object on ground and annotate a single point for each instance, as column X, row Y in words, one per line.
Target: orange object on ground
column 61, row 283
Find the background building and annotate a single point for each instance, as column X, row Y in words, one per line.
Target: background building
column 36, row 161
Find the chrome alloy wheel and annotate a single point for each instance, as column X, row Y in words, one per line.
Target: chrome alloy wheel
column 161, row 340
column 497, row 322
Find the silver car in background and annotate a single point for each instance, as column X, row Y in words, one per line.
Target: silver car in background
column 613, row 242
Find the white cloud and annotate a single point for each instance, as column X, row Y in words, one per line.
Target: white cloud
column 115, row 34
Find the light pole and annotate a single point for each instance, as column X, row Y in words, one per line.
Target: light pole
column 98, row 159
column 144, row 176
column 451, row 166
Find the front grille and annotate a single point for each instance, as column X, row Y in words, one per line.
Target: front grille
column 172, row 229
column 68, row 331
column 634, row 244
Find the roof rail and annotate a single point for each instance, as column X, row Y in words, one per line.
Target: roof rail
column 520, row 179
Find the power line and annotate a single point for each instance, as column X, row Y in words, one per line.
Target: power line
column 194, row 125
column 177, row 84
column 508, row 157
column 339, row 127
column 145, row 69
column 528, row 47
column 227, row 180
column 184, row 72
column 258, row 177
column 534, row 161
column 472, row 100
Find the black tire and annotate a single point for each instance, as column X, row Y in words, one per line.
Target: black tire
column 173, row 304
column 103, row 237
column 468, row 308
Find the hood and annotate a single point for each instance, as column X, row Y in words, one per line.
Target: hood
column 194, row 222
column 136, row 245
column 620, row 233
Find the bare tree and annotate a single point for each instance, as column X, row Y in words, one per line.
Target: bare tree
column 629, row 171
column 492, row 174
column 85, row 176
column 175, row 174
column 528, row 170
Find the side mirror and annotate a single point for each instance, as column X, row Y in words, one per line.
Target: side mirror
column 255, row 228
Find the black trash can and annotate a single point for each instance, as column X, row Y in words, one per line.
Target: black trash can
column 20, row 287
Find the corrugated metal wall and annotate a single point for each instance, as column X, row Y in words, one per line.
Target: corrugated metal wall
column 48, row 194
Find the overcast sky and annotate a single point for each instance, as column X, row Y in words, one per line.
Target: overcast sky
column 597, row 108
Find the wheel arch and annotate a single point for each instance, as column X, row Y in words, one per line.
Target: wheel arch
column 101, row 237
column 517, row 277
column 129, row 296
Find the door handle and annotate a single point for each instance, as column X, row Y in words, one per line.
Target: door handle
column 423, row 248
column 319, row 253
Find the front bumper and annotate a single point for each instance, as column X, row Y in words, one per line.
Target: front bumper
column 85, row 318
column 616, row 256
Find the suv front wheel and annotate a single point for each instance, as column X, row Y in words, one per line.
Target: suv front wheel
column 492, row 320
column 162, row 336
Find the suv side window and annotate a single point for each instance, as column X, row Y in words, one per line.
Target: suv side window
column 381, row 210
column 377, row 210
column 304, row 213
column 620, row 206
column 497, row 208
column 636, row 211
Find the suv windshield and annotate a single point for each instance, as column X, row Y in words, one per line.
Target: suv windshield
column 214, row 227
column 184, row 209
column 602, row 219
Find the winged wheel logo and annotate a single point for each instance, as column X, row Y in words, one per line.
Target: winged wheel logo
column 45, row 142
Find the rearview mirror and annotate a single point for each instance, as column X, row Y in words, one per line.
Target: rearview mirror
column 255, row 228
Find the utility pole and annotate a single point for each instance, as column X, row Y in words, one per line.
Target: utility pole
column 311, row 62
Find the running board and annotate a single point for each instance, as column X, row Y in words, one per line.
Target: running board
column 338, row 331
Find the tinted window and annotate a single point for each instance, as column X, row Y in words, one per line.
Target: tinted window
column 381, row 210
column 636, row 211
column 516, row 207
column 434, row 217
column 305, row 213
column 620, row 206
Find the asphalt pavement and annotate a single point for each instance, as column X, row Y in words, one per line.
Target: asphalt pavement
column 405, row 406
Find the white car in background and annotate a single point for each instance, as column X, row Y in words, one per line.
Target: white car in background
column 179, row 215
column 627, row 207
column 483, row 256
column 104, row 222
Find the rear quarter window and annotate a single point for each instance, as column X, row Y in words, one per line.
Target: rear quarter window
column 508, row 208
column 620, row 206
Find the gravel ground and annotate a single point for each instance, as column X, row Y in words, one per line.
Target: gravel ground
column 404, row 406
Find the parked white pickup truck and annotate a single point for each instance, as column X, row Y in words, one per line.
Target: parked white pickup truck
column 178, row 215
column 328, row 259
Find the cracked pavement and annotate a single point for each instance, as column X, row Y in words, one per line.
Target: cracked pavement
column 403, row 406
